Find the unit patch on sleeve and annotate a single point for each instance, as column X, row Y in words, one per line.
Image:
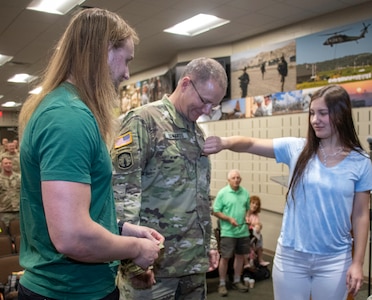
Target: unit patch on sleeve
column 125, row 160
column 123, row 140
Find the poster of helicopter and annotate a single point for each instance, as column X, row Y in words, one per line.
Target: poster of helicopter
column 337, row 55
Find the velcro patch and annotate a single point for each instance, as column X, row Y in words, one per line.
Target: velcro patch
column 123, row 140
column 125, row 160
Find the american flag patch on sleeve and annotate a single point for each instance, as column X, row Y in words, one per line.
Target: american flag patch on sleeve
column 123, row 140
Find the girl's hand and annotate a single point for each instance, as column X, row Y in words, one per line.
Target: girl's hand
column 354, row 279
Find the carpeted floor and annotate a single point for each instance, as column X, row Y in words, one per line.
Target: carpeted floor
column 263, row 290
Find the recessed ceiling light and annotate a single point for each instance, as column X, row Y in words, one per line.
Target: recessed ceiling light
column 36, row 91
column 59, row 7
column 4, row 59
column 11, row 104
column 22, row 78
column 197, row 25
column 1, row 96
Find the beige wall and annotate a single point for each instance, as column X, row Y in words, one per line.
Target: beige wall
column 9, row 118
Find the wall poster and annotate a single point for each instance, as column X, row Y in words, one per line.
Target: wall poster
column 280, row 78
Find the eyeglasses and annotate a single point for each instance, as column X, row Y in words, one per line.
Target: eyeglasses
column 206, row 103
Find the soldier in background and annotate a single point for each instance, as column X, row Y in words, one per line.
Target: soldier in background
column 10, row 184
column 13, row 154
column 161, row 180
column 263, row 69
column 4, row 142
column 283, row 71
column 244, row 81
column 16, row 143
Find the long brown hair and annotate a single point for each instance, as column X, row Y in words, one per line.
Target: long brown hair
column 82, row 54
column 340, row 116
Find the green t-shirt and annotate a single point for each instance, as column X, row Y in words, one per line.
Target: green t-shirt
column 233, row 204
column 62, row 142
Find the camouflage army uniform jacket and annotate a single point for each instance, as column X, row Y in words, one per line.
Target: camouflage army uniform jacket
column 161, row 180
column 10, row 187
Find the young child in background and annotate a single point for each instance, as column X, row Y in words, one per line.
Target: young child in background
column 255, row 226
column 256, row 241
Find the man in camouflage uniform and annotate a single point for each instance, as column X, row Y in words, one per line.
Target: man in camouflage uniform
column 161, row 180
column 10, row 183
column 4, row 142
column 13, row 153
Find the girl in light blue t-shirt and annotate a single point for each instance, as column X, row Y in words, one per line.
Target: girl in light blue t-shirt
column 327, row 208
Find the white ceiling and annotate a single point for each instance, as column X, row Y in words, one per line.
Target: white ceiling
column 29, row 35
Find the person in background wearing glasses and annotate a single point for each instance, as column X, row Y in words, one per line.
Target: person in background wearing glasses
column 161, row 179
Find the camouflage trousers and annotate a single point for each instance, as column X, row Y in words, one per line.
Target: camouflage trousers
column 190, row 287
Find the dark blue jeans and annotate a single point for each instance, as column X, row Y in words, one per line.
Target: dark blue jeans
column 26, row 294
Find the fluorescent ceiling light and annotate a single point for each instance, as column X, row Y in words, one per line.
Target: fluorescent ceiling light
column 197, row 25
column 59, row 7
column 4, row 59
column 36, row 90
column 22, row 78
column 11, row 104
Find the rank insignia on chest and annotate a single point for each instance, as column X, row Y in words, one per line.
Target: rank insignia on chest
column 123, row 140
column 125, row 160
